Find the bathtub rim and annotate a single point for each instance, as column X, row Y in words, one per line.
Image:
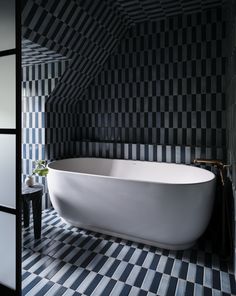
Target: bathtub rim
column 213, row 179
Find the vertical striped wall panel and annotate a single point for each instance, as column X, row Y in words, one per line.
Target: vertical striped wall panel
column 38, row 81
column 147, row 152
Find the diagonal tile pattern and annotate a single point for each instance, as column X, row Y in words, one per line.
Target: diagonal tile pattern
column 137, row 11
column 70, row 261
column 32, row 53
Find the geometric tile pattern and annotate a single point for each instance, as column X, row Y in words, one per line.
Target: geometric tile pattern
column 129, row 11
column 71, row 261
column 53, row 24
column 38, row 81
column 164, row 84
column 178, row 103
column 167, row 82
column 147, row 152
column 90, row 41
column 32, row 53
column 231, row 100
column 86, row 33
column 61, row 125
column 149, row 10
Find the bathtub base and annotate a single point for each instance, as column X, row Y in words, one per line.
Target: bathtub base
column 133, row 238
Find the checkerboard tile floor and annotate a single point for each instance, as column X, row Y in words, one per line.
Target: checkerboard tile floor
column 70, row 261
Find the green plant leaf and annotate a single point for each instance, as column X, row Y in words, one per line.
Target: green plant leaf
column 43, row 172
column 40, row 168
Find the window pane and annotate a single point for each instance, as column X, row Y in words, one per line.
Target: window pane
column 7, row 24
column 7, row 92
column 8, row 250
column 8, row 170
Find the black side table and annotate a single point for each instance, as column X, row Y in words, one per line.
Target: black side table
column 33, row 194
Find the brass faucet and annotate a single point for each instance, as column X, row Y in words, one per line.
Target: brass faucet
column 217, row 163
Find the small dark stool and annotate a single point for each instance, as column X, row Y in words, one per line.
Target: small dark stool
column 35, row 194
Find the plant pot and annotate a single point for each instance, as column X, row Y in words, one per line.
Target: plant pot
column 29, row 181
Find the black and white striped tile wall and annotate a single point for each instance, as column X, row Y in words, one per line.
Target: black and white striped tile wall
column 231, row 100
column 147, row 152
column 164, row 85
column 61, row 126
column 84, row 31
column 87, row 32
column 38, row 81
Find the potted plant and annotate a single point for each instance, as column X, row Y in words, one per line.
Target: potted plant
column 40, row 170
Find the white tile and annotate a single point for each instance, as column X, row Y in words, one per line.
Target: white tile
column 123, row 252
column 148, row 260
column 60, row 272
column 134, row 291
column 68, row 292
column 163, row 286
column 86, row 282
column 53, row 290
column 111, row 249
column 133, row 275
column 148, row 279
column 180, row 287
column 39, row 263
column 100, row 287
column 106, row 266
column 208, row 277
column 216, row 292
column 225, row 283
column 120, row 269
column 82, row 258
column 191, row 274
column 161, row 264
column 176, row 268
column 94, row 262
column 37, row 287
column 198, row 290
column 28, row 280
column 117, row 289
column 71, row 279
column 135, row 256
column 49, row 268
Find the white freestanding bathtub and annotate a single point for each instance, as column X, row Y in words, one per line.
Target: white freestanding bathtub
column 161, row 204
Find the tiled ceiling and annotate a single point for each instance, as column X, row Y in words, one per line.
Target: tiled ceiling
column 137, row 11
column 37, row 13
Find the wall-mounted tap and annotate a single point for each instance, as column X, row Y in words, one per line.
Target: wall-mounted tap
column 216, row 163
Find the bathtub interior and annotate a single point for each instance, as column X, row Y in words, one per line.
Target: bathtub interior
column 167, row 173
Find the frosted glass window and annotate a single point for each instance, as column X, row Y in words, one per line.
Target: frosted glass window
column 8, row 250
column 7, row 91
column 8, row 170
column 7, row 24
